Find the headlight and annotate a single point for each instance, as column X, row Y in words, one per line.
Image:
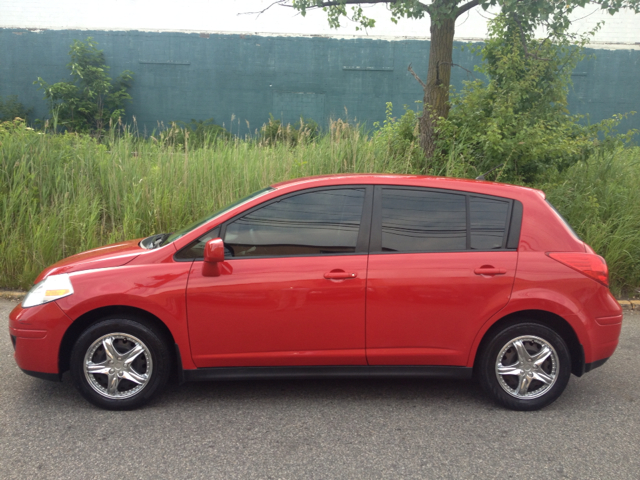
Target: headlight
column 50, row 289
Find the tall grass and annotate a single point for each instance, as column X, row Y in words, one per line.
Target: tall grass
column 62, row 194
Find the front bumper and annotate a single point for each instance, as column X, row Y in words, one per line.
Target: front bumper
column 36, row 334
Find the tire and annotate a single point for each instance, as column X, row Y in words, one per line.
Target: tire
column 120, row 363
column 525, row 366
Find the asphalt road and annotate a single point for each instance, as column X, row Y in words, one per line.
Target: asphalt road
column 325, row 429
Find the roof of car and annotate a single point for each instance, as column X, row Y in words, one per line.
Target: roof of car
column 479, row 186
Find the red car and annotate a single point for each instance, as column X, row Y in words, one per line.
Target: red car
column 334, row 276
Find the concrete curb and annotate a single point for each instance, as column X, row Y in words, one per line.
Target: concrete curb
column 17, row 295
column 630, row 304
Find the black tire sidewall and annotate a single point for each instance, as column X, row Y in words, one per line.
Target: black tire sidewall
column 498, row 340
column 137, row 327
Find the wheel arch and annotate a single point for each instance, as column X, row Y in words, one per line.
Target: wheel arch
column 91, row 317
column 548, row 319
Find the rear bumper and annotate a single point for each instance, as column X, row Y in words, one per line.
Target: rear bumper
column 604, row 335
column 36, row 335
column 590, row 366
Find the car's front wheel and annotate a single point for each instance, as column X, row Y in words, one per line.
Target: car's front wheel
column 120, row 363
column 525, row 366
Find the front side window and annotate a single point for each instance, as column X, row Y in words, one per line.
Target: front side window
column 423, row 221
column 319, row 222
column 180, row 233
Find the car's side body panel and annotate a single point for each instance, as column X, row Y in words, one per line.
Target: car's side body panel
column 278, row 311
column 542, row 284
column 425, row 308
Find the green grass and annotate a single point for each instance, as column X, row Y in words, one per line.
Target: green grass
column 62, row 194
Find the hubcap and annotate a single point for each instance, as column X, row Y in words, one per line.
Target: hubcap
column 118, row 365
column 527, row 367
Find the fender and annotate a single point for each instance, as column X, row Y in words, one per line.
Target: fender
column 159, row 289
column 542, row 300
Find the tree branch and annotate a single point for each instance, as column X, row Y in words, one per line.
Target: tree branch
column 335, row 3
column 455, row 65
column 416, row 77
column 466, row 7
column 523, row 39
column 260, row 12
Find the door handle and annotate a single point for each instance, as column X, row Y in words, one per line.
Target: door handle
column 339, row 275
column 490, row 271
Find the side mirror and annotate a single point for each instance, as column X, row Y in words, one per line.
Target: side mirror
column 213, row 256
column 214, row 251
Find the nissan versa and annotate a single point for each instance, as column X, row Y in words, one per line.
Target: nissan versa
column 334, row 276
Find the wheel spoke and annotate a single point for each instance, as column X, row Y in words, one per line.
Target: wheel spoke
column 98, row 368
column 113, row 382
column 522, row 352
column 134, row 376
column 541, row 356
column 132, row 354
column 509, row 369
column 543, row 377
column 109, row 349
column 523, row 385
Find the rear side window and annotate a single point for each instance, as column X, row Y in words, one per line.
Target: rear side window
column 414, row 220
column 314, row 223
column 488, row 220
column 423, row 221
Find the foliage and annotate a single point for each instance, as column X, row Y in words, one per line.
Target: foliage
column 400, row 136
column 303, row 131
column 518, row 123
column 193, row 135
column 92, row 100
column 11, row 108
column 552, row 16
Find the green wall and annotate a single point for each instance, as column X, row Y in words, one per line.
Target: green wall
column 180, row 76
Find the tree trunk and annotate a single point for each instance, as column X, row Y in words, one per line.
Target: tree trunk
column 436, row 92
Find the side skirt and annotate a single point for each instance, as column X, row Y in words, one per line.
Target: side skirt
column 365, row 371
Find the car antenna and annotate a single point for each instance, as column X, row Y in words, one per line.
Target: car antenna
column 481, row 177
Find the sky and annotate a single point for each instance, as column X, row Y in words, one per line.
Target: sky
column 236, row 16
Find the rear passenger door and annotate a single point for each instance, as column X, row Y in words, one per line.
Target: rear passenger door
column 441, row 263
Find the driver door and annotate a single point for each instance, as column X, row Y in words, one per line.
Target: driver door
column 292, row 288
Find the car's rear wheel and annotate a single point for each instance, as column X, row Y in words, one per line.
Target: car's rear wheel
column 525, row 366
column 120, row 363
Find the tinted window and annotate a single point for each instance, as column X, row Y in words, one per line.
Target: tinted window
column 202, row 221
column 415, row 221
column 313, row 223
column 488, row 223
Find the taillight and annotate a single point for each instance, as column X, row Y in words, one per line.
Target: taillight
column 593, row 266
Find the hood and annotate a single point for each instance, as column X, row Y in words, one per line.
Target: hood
column 114, row 255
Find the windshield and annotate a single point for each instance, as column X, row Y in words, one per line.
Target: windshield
column 174, row 236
